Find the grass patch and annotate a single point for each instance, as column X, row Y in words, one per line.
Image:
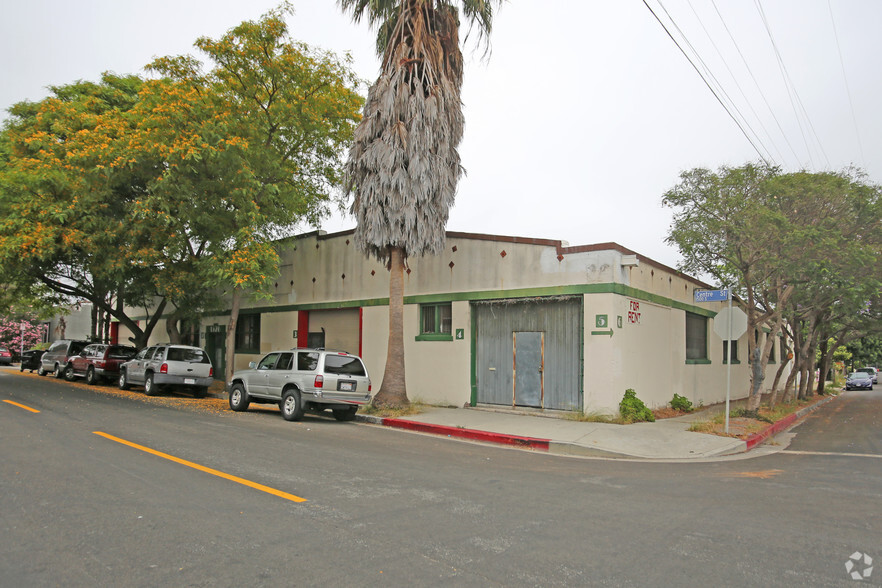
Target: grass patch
column 743, row 423
column 396, row 412
column 592, row 417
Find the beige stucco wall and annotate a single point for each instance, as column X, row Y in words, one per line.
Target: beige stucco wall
column 327, row 276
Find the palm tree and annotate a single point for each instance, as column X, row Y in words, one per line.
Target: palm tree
column 404, row 167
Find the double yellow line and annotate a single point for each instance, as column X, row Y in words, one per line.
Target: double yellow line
column 184, row 462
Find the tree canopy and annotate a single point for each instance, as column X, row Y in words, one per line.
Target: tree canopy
column 804, row 250
column 142, row 192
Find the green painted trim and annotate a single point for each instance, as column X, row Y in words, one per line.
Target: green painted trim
column 434, row 337
column 734, row 362
column 541, row 292
column 582, row 355
column 473, row 401
column 698, row 362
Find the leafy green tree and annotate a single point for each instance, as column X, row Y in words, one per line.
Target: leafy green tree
column 251, row 148
column 866, row 350
column 404, row 166
column 134, row 194
column 804, row 247
column 725, row 227
column 64, row 226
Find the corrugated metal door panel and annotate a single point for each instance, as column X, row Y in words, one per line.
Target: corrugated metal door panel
column 561, row 322
column 528, row 368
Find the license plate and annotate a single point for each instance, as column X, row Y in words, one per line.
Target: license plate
column 346, row 386
column 189, row 381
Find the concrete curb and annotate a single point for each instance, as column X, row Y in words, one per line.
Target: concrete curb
column 567, row 448
column 533, row 443
column 777, row 427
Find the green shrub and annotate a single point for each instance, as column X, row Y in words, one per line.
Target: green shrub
column 681, row 403
column 633, row 410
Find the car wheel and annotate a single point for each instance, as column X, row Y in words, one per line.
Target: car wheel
column 291, row 406
column 91, row 378
column 58, row 373
column 41, row 371
column 200, row 391
column 150, row 388
column 345, row 414
column 69, row 373
column 239, row 400
column 123, row 380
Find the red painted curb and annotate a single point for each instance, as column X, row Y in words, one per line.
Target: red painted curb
column 783, row 424
column 501, row 438
column 773, row 429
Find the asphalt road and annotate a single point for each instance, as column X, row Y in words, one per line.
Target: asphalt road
column 102, row 488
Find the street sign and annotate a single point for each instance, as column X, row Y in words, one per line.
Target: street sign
column 738, row 323
column 711, row 295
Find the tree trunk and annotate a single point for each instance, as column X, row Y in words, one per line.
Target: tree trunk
column 784, row 361
column 393, row 391
column 231, row 334
column 171, row 327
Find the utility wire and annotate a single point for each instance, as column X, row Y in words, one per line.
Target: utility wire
column 756, row 84
column 707, row 83
column 710, row 74
column 791, row 91
column 847, row 87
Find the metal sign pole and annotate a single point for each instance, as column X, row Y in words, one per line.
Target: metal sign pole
column 729, row 361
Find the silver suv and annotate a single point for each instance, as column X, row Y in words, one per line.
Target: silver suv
column 304, row 379
column 58, row 355
column 181, row 366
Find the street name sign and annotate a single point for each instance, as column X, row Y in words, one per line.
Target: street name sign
column 711, row 295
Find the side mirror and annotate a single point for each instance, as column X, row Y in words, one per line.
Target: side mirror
column 252, row 365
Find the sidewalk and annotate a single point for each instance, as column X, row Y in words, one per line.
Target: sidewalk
column 667, row 439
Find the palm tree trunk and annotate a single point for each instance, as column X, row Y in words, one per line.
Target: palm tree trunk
column 393, row 391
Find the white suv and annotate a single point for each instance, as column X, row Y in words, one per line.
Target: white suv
column 304, row 379
column 181, row 366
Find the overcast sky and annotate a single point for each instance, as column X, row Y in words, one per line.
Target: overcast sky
column 584, row 114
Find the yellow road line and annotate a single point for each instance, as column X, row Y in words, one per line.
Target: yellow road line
column 207, row 470
column 21, row 406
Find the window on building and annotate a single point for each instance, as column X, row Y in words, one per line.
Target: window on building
column 696, row 337
column 248, row 333
column 772, row 358
column 734, row 351
column 436, row 321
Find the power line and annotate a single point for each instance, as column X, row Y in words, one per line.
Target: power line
column 847, row 87
column 705, row 80
column 756, row 83
column 791, row 91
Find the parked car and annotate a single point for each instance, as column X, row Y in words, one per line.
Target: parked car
column 304, row 379
column 30, row 359
column 859, row 380
column 158, row 366
column 5, row 356
column 873, row 372
column 59, row 353
column 98, row 362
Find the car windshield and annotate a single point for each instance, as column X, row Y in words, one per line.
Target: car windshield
column 187, row 354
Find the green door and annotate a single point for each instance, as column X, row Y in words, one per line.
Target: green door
column 215, row 346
